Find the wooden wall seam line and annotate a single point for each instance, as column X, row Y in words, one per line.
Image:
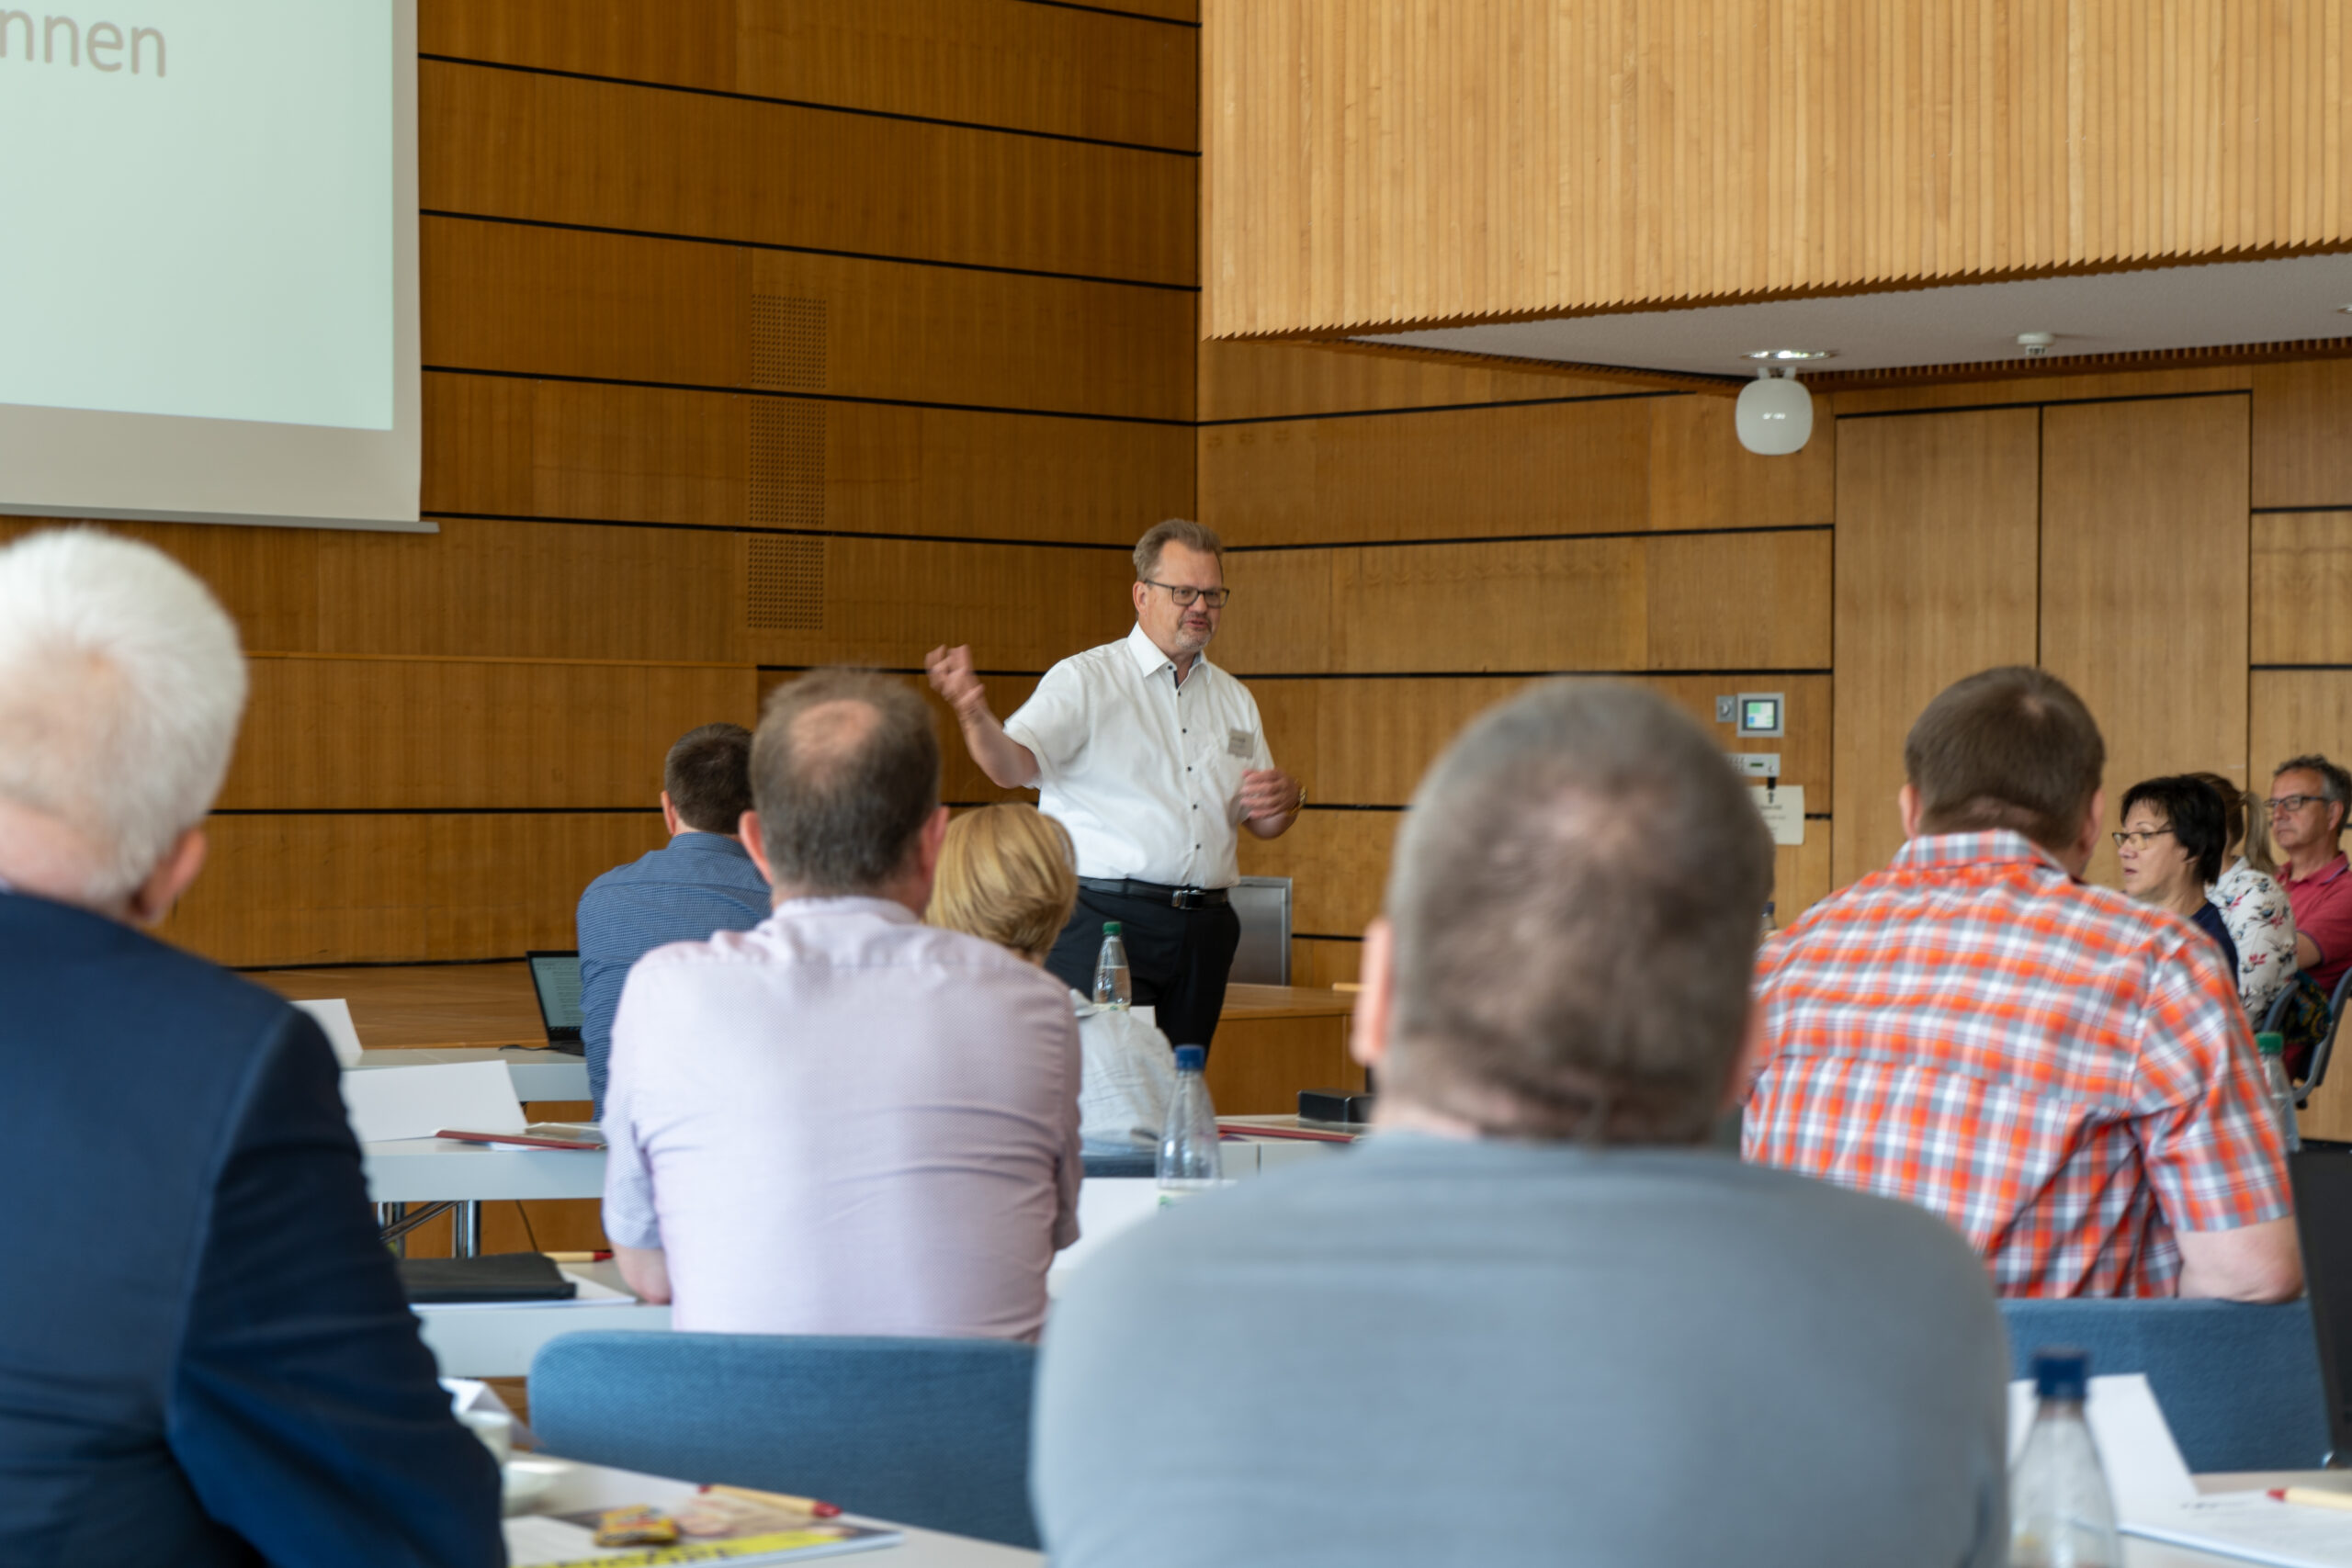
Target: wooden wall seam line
column 1114, row 11
column 796, row 395
column 764, row 528
column 451, row 213
column 732, row 95
column 1528, row 538
column 2046, row 403
column 1438, row 408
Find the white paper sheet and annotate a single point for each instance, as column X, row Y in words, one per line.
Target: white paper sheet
column 2255, row 1526
column 2144, row 1469
column 1782, row 811
column 334, row 1015
column 416, row 1102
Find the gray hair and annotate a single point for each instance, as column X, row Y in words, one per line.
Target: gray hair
column 1576, row 895
column 1174, row 531
column 843, row 792
column 121, row 684
column 2334, row 783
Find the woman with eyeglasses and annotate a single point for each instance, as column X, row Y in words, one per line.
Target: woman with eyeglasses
column 2253, row 906
column 2171, row 848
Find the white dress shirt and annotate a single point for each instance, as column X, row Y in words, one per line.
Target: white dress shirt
column 845, row 1122
column 1144, row 773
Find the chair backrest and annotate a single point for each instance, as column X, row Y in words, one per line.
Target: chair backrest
column 2327, row 1042
column 2239, row 1385
column 929, row 1432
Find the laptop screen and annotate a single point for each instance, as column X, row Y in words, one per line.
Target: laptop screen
column 556, row 978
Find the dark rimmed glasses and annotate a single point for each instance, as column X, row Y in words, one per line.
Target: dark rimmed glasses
column 1185, row 598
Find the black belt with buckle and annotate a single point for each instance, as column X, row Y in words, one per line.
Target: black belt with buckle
column 1157, row 892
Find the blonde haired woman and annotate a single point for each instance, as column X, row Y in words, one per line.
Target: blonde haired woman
column 1007, row 874
column 2260, row 921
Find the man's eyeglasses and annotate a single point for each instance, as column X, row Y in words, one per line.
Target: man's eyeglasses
column 2287, row 805
column 1214, row 598
column 2138, row 840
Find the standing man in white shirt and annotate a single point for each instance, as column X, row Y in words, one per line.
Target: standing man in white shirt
column 1152, row 757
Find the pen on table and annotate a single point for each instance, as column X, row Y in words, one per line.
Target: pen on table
column 2313, row 1497
column 808, row 1506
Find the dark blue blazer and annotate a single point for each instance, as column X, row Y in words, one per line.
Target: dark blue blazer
column 204, row 1357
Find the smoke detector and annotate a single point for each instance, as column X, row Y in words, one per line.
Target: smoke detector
column 2036, row 345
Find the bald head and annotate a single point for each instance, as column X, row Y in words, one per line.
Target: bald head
column 844, row 775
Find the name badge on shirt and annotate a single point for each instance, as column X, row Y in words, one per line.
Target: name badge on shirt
column 1237, row 742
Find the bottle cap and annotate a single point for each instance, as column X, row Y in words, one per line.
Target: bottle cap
column 2271, row 1044
column 1111, row 928
column 2061, row 1373
column 1191, row 1058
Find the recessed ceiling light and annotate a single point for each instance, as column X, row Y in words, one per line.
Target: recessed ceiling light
column 2343, row 310
column 1777, row 355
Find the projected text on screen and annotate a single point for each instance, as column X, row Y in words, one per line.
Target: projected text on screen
column 236, row 260
column 103, row 41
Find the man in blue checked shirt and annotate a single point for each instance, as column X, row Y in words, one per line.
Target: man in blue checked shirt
column 702, row 882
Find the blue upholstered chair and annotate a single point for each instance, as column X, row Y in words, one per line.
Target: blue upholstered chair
column 2239, row 1385
column 929, row 1432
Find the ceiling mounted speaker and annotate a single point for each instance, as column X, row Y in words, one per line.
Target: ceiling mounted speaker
column 1775, row 416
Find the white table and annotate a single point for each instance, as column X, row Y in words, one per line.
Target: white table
column 579, row 1486
column 498, row 1341
column 443, row 1170
column 537, row 1075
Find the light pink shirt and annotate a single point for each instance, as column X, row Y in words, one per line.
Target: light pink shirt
column 845, row 1122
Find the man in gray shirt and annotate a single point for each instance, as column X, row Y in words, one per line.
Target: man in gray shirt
column 1535, row 1319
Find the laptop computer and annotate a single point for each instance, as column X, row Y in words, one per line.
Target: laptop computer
column 555, row 979
column 2322, row 1174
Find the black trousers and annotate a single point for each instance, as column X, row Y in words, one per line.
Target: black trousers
column 1177, row 959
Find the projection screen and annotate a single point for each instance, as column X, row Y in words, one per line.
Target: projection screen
column 209, row 262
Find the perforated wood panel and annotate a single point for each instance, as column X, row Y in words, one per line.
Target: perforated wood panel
column 786, row 586
column 787, row 342
column 787, row 463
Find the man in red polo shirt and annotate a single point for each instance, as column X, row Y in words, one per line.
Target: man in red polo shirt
column 2309, row 797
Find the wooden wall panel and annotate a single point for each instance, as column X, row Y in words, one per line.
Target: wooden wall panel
column 888, row 602
column 1716, row 602
column 1367, row 742
column 1554, row 468
column 777, row 175
column 1939, row 520
column 2302, row 582
column 1653, row 152
column 559, row 302
column 2053, row 386
column 1700, row 477
column 396, row 888
column 2143, row 581
column 2302, row 434
column 506, row 447
column 480, row 588
column 2293, row 713
column 1063, row 70
column 442, row 734
column 1337, row 862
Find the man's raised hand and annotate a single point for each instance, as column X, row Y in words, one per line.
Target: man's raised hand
column 950, row 669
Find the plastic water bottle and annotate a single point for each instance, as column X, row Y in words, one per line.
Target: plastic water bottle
column 2283, row 1093
column 1111, row 986
column 2060, row 1513
column 1190, row 1162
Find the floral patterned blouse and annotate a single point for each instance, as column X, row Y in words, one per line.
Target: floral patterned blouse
column 2260, row 921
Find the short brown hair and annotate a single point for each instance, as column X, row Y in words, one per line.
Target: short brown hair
column 1175, row 531
column 2012, row 748
column 708, row 776
column 842, row 795
column 1007, row 874
column 2334, row 783
column 1576, row 895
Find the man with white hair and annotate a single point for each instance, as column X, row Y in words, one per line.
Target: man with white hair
column 204, row 1356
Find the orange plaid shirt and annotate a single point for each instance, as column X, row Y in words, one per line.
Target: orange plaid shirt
column 2063, row 1074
